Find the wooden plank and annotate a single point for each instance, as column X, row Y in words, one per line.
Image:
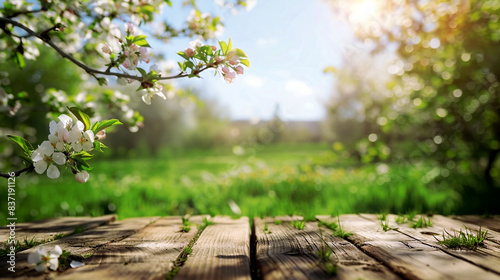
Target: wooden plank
column 148, row 253
column 487, row 257
column 490, row 223
column 221, row 252
column 284, row 252
column 82, row 243
column 493, row 236
column 406, row 256
column 46, row 230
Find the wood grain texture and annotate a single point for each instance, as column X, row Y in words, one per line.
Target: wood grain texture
column 46, row 230
column 147, row 254
column 487, row 257
column 409, row 257
column 80, row 244
column 285, row 252
column 221, row 252
column 491, row 223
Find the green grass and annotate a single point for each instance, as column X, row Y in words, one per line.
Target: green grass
column 274, row 180
column 464, row 239
column 298, row 224
column 422, row 222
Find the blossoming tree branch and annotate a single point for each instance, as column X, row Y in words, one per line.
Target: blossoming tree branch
column 106, row 39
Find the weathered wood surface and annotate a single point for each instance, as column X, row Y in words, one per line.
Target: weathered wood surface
column 148, row 253
column 80, row 244
column 408, row 256
column 491, row 223
column 487, row 256
column 152, row 247
column 285, row 252
column 221, row 252
column 45, row 230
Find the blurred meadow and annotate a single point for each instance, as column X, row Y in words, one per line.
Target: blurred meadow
column 410, row 122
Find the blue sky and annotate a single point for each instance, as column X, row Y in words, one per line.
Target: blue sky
column 289, row 44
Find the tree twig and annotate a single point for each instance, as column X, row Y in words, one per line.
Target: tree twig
column 17, row 173
column 80, row 64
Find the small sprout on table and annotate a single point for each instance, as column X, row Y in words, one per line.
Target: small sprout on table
column 401, row 219
column 463, row 239
column 422, row 222
column 278, row 222
column 298, row 224
column 186, row 224
column 340, row 232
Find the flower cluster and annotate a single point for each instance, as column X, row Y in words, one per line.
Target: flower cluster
column 43, row 258
column 126, row 52
column 68, row 144
column 226, row 60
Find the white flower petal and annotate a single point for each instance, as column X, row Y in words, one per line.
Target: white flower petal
column 52, row 127
column 59, row 158
column 87, row 146
column 53, row 263
column 146, row 98
column 36, row 156
column 63, row 135
column 57, row 251
column 60, row 146
column 77, row 146
column 40, row 266
column 53, row 138
column 53, row 172
column 34, row 258
column 66, row 120
column 75, row 264
column 40, row 166
column 46, row 148
column 160, row 94
column 89, row 135
column 79, row 125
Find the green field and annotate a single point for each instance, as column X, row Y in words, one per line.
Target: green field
column 269, row 180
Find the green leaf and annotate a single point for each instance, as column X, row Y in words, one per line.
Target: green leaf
column 245, row 62
column 183, row 55
column 20, row 60
column 141, row 41
column 105, row 124
column 169, row 3
column 240, row 53
column 229, row 45
column 82, row 155
column 25, row 145
column 81, row 116
column 223, row 47
column 142, row 71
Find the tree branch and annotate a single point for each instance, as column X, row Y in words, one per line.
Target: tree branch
column 17, row 173
column 24, row 13
column 80, row 64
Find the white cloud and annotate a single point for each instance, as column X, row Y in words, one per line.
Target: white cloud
column 253, row 81
column 298, row 87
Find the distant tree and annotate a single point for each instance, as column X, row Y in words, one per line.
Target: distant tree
column 448, row 74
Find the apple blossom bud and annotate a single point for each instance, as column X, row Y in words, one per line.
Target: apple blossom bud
column 229, row 77
column 233, row 62
column 225, row 69
column 125, row 64
column 239, row 70
column 189, row 52
column 125, row 53
column 218, row 59
column 82, row 177
column 214, row 48
column 101, row 135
